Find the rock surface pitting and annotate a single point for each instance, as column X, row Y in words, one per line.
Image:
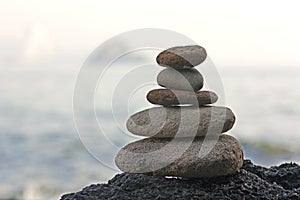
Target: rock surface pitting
column 181, row 121
column 181, row 79
column 168, row 97
column 183, row 157
column 182, row 56
column 250, row 182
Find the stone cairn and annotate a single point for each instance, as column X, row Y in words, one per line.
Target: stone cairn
column 184, row 134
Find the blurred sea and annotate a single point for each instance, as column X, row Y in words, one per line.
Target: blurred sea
column 42, row 156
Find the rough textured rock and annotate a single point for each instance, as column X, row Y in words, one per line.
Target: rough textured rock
column 246, row 183
column 287, row 175
column 168, row 97
column 181, row 79
column 182, row 157
column 182, row 56
column 181, row 121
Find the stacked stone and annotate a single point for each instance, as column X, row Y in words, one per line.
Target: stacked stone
column 185, row 133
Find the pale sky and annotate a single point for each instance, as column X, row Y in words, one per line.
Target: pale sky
column 235, row 33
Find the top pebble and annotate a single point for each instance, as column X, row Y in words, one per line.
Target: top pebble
column 182, row 56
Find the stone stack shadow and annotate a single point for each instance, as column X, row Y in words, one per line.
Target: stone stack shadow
column 185, row 132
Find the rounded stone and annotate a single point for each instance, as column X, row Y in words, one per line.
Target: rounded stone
column 168, row 97
column 180, row 79
column 182, row 56
column 184, row 121
column 183, row 158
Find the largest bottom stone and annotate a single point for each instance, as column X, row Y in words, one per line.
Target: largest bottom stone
column 182, row 157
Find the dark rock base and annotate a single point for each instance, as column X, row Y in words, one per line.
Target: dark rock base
column 251, row 182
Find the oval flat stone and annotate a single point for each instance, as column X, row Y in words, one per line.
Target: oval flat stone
column 181, row 79
column 182, row 56
column 185, row 121
column 182, row 157
column 168, row 97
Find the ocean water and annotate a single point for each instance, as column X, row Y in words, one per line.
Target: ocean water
column 43, row 155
